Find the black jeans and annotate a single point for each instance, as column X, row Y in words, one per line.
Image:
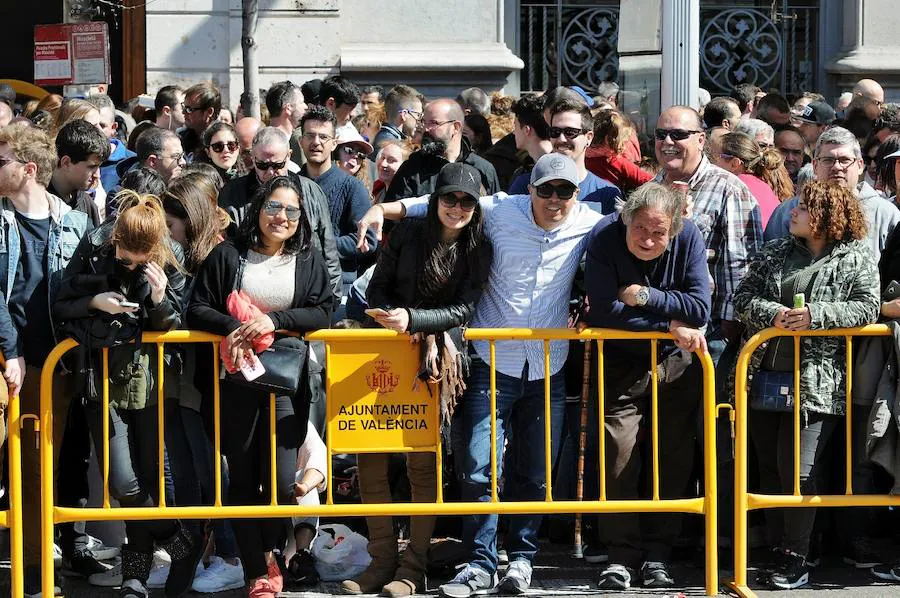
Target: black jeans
column 773, row 440
column 245, row 443
column 632, row 537
column 133, row 468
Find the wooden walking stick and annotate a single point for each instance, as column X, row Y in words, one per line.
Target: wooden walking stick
column 582, row 441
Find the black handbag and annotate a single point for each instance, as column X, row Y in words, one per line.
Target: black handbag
column 772, row 391
column 283, row 360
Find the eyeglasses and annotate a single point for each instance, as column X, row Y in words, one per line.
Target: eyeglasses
column 219, row 146
column 570, row 132
column 322, row 138
column 413, row 113
column 264, row 166
column 4, row 160
column 466, row 203
column 829, row 162
column 273, row 208
column 350, row 153
column 176, row 157
column 433, row 124
column 191, row 109
column 563, row 192
column 675, row 134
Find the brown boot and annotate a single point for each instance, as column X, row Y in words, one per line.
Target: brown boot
column 373, row 579
column 400, row 588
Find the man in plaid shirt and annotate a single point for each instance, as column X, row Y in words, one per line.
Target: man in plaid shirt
column 723, row 208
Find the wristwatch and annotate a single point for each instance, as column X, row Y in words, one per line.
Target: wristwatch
column 642, row 296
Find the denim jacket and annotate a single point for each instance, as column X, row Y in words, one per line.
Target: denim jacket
column 67, row 227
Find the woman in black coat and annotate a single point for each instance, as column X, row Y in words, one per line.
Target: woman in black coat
column 428, row 279
column 272, row 263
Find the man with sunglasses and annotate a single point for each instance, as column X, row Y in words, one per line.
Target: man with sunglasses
column 539, row 241
column 723, row 208
column 348, row 199
column 270, row 155
column 442, row 142
column 202, row 103
column 571, row 132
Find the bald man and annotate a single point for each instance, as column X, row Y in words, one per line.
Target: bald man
column 442, row 143
column 869, row 88
column 246, row 129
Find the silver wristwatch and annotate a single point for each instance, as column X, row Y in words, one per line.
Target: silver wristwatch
column 642, row 296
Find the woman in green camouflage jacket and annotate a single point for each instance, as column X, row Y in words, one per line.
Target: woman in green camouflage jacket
column 827, row 259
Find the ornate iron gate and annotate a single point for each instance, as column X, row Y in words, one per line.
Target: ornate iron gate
column 771, row 44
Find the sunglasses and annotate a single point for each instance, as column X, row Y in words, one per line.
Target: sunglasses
column 466, row 203
column 273, row 208
column 350, row 153
column 127, row 263
column 569, row 132
column 219, row 146
column 264, row 166
column 675, row 134
column 191, row 109
column 547, row 190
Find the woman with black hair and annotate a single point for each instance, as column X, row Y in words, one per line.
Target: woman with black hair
column 220, row 149
column 427, row 281
column 270, row 261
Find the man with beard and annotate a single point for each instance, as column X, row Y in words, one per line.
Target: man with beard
column 571, row 132
column 442, row 142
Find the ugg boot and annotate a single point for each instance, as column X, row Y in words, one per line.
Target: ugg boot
column 186, row 549
column 399, row 588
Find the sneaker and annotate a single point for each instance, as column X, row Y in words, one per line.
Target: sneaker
column 595, row 554
column 218, row 577
column 517, row 579
column 83, row 563
column 655, row 574
column 862, row 555
column 615, row 577
column 502, row 556
column 108, row 579
column 159, row 574
column 132, row 588
column 57, row 555
column 33, row 583
column 470, row 580
column 793, row 573
column 101, row 551
column 303, row 569
column 261, row 588
column 887, row 572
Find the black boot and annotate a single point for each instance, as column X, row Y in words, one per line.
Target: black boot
column 135, row 571
column 186, row 550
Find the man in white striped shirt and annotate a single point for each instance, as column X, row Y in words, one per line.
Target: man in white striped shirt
column 538, row 241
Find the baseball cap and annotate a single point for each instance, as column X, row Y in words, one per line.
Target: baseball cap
column 818, row 113
column 584, row 95
column 458, row 176
column 894, row 155
column 7, row 94
column 554, row 167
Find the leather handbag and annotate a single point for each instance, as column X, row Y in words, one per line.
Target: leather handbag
column 772, row 391
column 283, row 360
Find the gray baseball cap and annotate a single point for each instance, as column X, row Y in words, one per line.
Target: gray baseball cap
column 554, row 167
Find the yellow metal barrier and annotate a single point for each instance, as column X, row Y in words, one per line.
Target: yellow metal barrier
column 12, row 518
column 353, row 358
column 745, row 501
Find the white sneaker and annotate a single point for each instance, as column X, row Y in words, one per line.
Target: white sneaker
column 159, row 573
column 101, row 551
column 108, row 579
column 218, row 577
column 57, row 555
column 517, row 579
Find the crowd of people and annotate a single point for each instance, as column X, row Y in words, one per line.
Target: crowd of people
column 352, row 207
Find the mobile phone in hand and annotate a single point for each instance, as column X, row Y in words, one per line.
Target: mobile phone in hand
column 376, row 312
column 252, row 368
column 128, row 304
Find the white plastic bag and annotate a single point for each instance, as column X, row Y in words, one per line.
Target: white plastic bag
column 340, row 553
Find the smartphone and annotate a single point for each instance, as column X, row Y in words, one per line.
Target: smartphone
column 252, row 368
column 892, row 291
column 128, row 304
column 376, row 312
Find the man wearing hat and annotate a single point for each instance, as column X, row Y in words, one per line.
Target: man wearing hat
column 539, row 241
column 812, row 122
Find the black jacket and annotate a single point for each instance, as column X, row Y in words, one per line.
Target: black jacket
column 394, row 282
column 417, row 176
column 311, row 308
column 236, row 195
column 504, row 157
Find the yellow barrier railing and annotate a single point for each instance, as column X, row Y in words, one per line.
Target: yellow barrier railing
column 12, row 517
column 745, row 501
column 348, row 352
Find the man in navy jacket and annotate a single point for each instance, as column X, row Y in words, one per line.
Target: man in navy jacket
column 646, row 271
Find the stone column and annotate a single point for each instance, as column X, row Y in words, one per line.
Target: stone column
column 681, row 52
column 870, row 46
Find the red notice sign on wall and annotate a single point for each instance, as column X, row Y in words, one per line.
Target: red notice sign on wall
column 72, row 54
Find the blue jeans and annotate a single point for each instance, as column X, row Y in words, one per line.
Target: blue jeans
column 472, row 432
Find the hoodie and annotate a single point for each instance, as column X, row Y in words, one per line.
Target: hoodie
column 109, row 174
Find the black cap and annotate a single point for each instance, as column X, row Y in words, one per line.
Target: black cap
column 310, row 91
column 7, row 94
column 458, row 176
column 818, row 113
